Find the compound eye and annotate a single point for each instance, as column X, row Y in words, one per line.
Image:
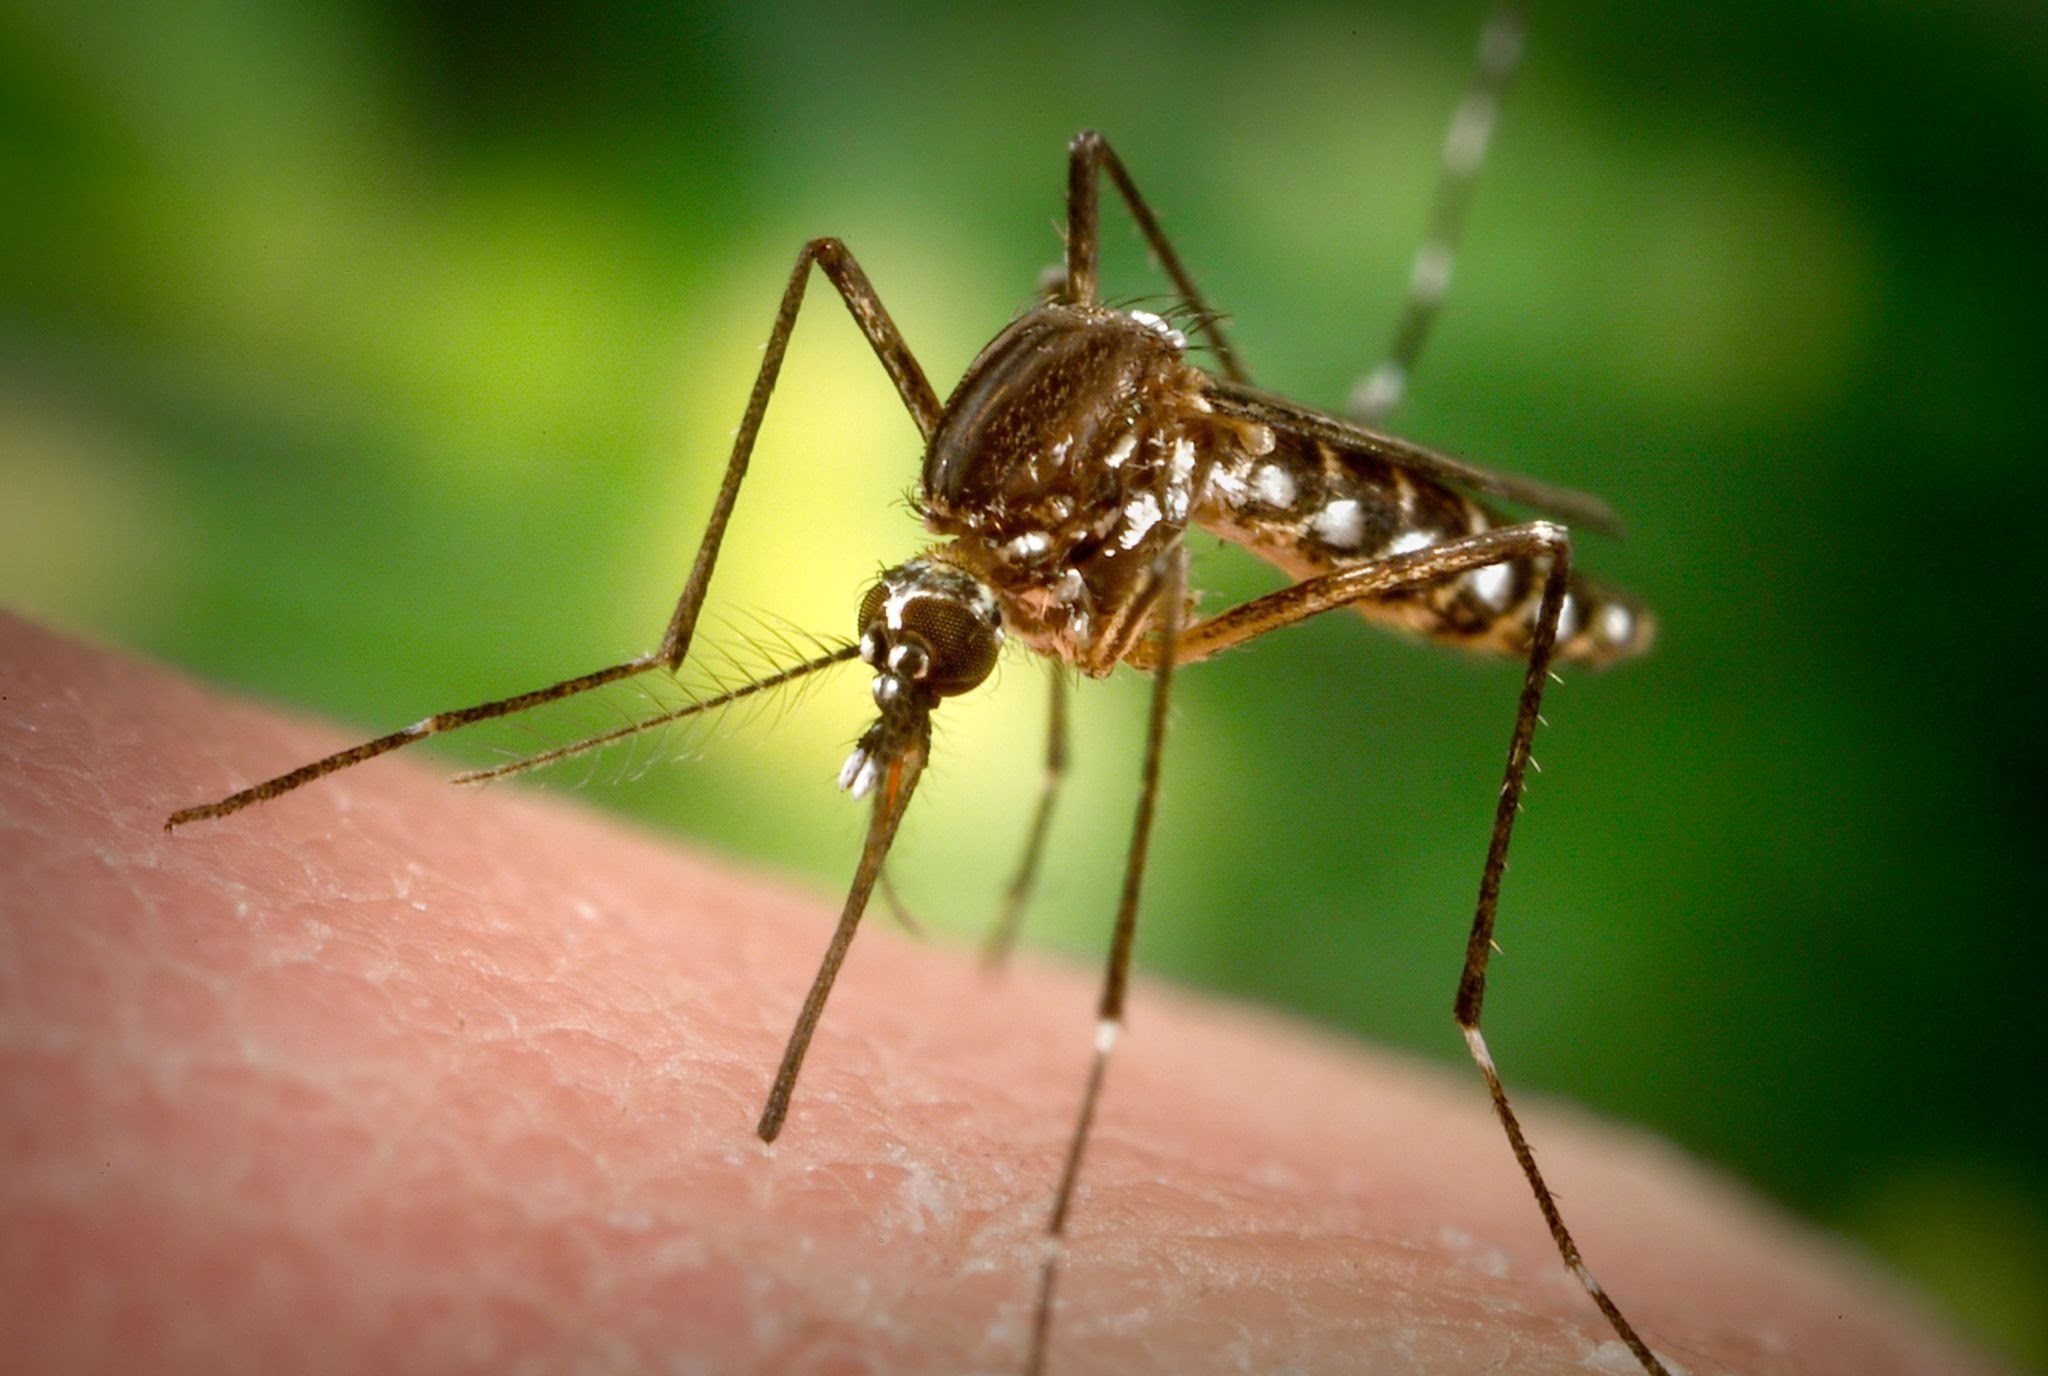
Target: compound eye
column 962, row 642
column 871, row 607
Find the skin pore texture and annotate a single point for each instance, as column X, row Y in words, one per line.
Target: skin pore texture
column 386, row 1076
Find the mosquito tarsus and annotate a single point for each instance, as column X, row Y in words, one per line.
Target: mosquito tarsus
column 1062, row 476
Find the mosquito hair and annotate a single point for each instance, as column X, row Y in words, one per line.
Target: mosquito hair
column 1165, row 302
column 643, row 749
column 695, row 706
column 771, row 641
column 912, row 501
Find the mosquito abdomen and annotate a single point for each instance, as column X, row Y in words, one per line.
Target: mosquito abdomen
column 1311, row 508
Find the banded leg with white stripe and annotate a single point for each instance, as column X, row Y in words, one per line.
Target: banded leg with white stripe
column 1535, row 540
column 1429, row 279
column 1172, row 601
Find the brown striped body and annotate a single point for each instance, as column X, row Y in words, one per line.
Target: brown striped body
column 1072, row 455
column 1081, row 444
column 1310, row 507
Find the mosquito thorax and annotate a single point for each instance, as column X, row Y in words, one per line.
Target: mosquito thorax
column 1027, row 438
column 1066, row 463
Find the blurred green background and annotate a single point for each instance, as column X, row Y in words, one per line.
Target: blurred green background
column 378, row 358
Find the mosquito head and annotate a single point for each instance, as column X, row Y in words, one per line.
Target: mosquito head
column 929, row 631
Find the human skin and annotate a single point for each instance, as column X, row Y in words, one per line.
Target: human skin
column 390, row 1077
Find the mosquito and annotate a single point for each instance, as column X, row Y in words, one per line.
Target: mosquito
column 1061, row 479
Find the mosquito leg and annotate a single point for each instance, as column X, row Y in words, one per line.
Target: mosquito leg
column 1479, row 947
column 1087, row 156
column 918, row 398
column 1116, row 977
column 1500, row 51
column 418, row 731
column 1018, row 896
column 1534, row 540
column 1543, row 540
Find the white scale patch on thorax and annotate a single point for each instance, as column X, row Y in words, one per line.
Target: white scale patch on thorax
column 1141, row 513
column 1227, row 484
column 1032, row 544
column 1161, row 328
